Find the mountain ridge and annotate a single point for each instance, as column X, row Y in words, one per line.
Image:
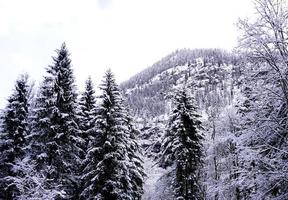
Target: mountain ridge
column 148, row 89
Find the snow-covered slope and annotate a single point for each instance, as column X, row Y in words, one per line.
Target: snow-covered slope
column 213, row 75
column 148, row 91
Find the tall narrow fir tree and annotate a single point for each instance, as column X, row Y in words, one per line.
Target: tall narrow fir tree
column 13, row 137
column 109, row 172
column 55, row 137
column 86, row 114
column 183, row 146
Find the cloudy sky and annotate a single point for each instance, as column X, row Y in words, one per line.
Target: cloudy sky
column 124, row 35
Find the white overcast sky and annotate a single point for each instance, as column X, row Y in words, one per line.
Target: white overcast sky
column 124, row 35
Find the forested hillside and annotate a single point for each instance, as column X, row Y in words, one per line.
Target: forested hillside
column 241, row 98
column 198, row 124
column 214, row 79
column 147, row 91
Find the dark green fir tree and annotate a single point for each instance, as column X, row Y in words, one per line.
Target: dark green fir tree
column 13, row 138
column 113, row 169
column 183, row 146
column 86, row 114
column 55, row 136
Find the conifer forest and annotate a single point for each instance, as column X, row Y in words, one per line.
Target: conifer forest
column 197, row 124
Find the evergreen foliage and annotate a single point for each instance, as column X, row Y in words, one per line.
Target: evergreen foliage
column 55, row 136
column 183, row 145
column 13, row 138
column 112, row 170
column 86, row 114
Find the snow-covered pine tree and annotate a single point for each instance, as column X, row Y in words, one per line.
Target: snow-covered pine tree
column 12, row 138
column 136, row 169
column 183, row 146
column 55, row 135
column 113, row 170
column 86, row 114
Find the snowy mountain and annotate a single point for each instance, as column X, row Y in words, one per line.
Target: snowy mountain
column 148, row 91
column 213, row 76
column 205, row 124
column 242, row 115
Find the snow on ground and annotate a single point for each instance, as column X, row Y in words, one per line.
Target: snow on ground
column 154, row 173
column 157, row 183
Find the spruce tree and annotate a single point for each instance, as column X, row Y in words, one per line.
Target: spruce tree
column 86, row 114
column 13, row 137
column 112, row 169
column 183, row 146
column 55, row 137
column 136, row 169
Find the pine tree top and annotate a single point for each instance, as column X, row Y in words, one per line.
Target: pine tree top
column 88, row 100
